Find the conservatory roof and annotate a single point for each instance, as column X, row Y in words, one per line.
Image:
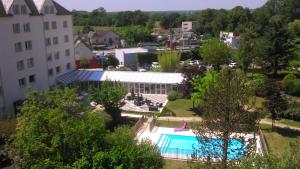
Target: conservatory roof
column 121, row 76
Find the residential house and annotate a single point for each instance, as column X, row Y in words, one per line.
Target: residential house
column 103, row 38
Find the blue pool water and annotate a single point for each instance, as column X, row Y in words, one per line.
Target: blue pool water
column 186, row 145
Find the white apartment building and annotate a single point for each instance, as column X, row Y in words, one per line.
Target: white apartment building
column 187, row 26
column 36, row 46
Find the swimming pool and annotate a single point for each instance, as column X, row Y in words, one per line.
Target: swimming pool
column 186, row 146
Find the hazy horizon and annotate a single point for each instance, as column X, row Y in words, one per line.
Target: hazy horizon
column 158, row 5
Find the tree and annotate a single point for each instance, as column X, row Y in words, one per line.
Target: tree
column 168, row 60
column 252, row 50
column 201, row 85
column 279, row 53
column 87, row 29
column 110, row 61
column 109, row 96
column 216, row 52
column 189, row 72
column 294, row 28
column 55, row 131
column 275, row 102
column 227, row 116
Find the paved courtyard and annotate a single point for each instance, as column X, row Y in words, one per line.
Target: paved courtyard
column 154, row 98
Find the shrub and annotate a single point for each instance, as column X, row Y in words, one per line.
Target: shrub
column 173, row 95
column 291, row 85
column 293, row 112
column 259, row 81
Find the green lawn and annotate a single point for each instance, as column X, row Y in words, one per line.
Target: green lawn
column 173, row 124
column 278, row 141
column 181, row 107
column 292, row 123
column 175, row 164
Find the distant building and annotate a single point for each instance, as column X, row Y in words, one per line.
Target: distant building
column 103, row 38
column 36, row 47
column 83, row 50
column 128, row 56
column 187, row 26
column 231, row 38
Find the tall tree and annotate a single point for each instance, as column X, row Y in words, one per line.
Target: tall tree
column 227, row 116
column 275, row 101
column 279, row 54
column 110, row 97
column 168, row 60
column 216, row 52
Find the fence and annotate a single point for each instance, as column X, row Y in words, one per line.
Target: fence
column 263, row 143
column 139, row 124
column 176, row 153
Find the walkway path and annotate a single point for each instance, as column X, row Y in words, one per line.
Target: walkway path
column 198, row 119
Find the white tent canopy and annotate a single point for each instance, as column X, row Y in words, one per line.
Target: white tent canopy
column 121, row 76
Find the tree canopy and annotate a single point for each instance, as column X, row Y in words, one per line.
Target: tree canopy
column 55, row 131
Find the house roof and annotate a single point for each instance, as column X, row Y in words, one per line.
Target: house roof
column 34, row 6
column 79, row 41
column 121, row 76
column 2, row 10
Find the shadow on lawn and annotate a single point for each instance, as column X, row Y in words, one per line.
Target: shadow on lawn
column 286, row 132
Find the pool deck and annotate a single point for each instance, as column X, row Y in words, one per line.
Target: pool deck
column 154, row 135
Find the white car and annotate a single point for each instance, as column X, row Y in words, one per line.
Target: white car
column 142, row 70
column 232, row 65
column 155, row 64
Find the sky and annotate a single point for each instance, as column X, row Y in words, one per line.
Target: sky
column 158, row 5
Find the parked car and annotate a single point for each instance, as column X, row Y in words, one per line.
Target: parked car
column 142, row 70
column 155, row 64
column 232, row 65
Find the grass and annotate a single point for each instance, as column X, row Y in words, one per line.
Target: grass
column 181, row 107
column 173, row 124
column 175, row 164
column 292, row 123
column 278, row 140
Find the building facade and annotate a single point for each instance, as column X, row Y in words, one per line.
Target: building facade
column 188, row 26
column 36, row 47
column 128, row 56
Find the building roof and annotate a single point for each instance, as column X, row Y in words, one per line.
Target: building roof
column 121, row 76
column 132, row 50
column 34, row 6
column 79, row 41
column 100, row 33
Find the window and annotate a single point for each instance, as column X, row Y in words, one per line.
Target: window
column 26, row 27
column 67, row 52
column 46, row 9
column 18, row 47
column 51, row 10
column 16, row 9
column 46, row 25
column 20, row 65
column 32, row 79
column 28, row 45
column 65, row 24
column 16, row 28
column 55, row 40
column 54, row 25
column 50, row 72
column 66, row 38
column 48, row 41
column 56, row 55
column 30, row 62
column 49, row 57
column 57, row 69
column 68, row 66
column 23, row 9
column 22, row 82
column 1, row 91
